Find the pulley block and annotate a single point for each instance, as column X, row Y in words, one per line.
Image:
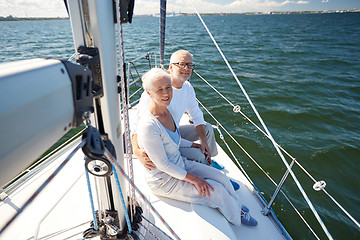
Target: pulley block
column 97, row 164
column 98, row 167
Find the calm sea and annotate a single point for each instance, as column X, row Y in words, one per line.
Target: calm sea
column 302, row 73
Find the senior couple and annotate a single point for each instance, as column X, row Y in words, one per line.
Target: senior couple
column 176, row 166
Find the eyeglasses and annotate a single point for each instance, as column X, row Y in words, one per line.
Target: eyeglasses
column 183, row 65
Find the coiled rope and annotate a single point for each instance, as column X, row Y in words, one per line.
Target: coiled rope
column 267, row 131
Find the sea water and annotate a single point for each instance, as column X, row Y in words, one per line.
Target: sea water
column 302, row 73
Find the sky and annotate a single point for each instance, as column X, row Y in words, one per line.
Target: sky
column 55, row 8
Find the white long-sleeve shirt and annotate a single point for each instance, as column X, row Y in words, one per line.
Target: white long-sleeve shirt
column 183, row 99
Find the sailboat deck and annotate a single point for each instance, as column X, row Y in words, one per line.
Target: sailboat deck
column 203, row 222
column 73, row 213
column 206, row 223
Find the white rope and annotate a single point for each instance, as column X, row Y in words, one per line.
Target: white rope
column 232, row 154
column 267, row 131
column 213, row 88
column 254, row 161
column 72, row 56
column 237, row 143
column 331, row 197
column 282, row 149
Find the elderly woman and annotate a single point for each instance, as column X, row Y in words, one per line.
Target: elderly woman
column 175, row 176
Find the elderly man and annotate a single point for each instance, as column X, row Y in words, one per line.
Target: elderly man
column 181, row 66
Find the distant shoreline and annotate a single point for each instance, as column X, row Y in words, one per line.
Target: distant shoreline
column 15, row 19
column 11, row 18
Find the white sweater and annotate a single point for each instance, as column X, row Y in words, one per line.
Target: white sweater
column 183, row 99
column 161, row 149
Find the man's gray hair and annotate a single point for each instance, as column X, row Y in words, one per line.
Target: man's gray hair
column 149, row 77
column 174, row 55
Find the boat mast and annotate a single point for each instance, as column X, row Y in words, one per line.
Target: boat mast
column 93, row 28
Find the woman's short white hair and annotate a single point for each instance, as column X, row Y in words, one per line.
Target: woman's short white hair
column 152, row 75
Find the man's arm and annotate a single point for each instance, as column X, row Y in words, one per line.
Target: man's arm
column 197, row 117
column 204, row 147
column 141, row 154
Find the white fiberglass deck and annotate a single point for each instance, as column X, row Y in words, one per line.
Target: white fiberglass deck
column 73, row 213
column 194, row 221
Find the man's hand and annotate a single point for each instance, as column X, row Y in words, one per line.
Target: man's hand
column 141, row 154
column 205, row 152
column 204, row 147
column 144, row 159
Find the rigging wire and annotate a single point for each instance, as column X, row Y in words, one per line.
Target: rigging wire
column 257, row 164
column 162, row 31
column 267, row 131
column 288, row 154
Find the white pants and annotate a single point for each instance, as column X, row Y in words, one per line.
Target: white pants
column 189, row 132
column 223, row 198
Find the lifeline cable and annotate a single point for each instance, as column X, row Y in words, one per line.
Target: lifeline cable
column 282, row 149
column 267, row 131
column 254, row 161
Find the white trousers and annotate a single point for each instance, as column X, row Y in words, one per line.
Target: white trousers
column 189, row 132
column 223, row 198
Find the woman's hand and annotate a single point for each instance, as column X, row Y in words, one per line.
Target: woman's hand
column 200, row 183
